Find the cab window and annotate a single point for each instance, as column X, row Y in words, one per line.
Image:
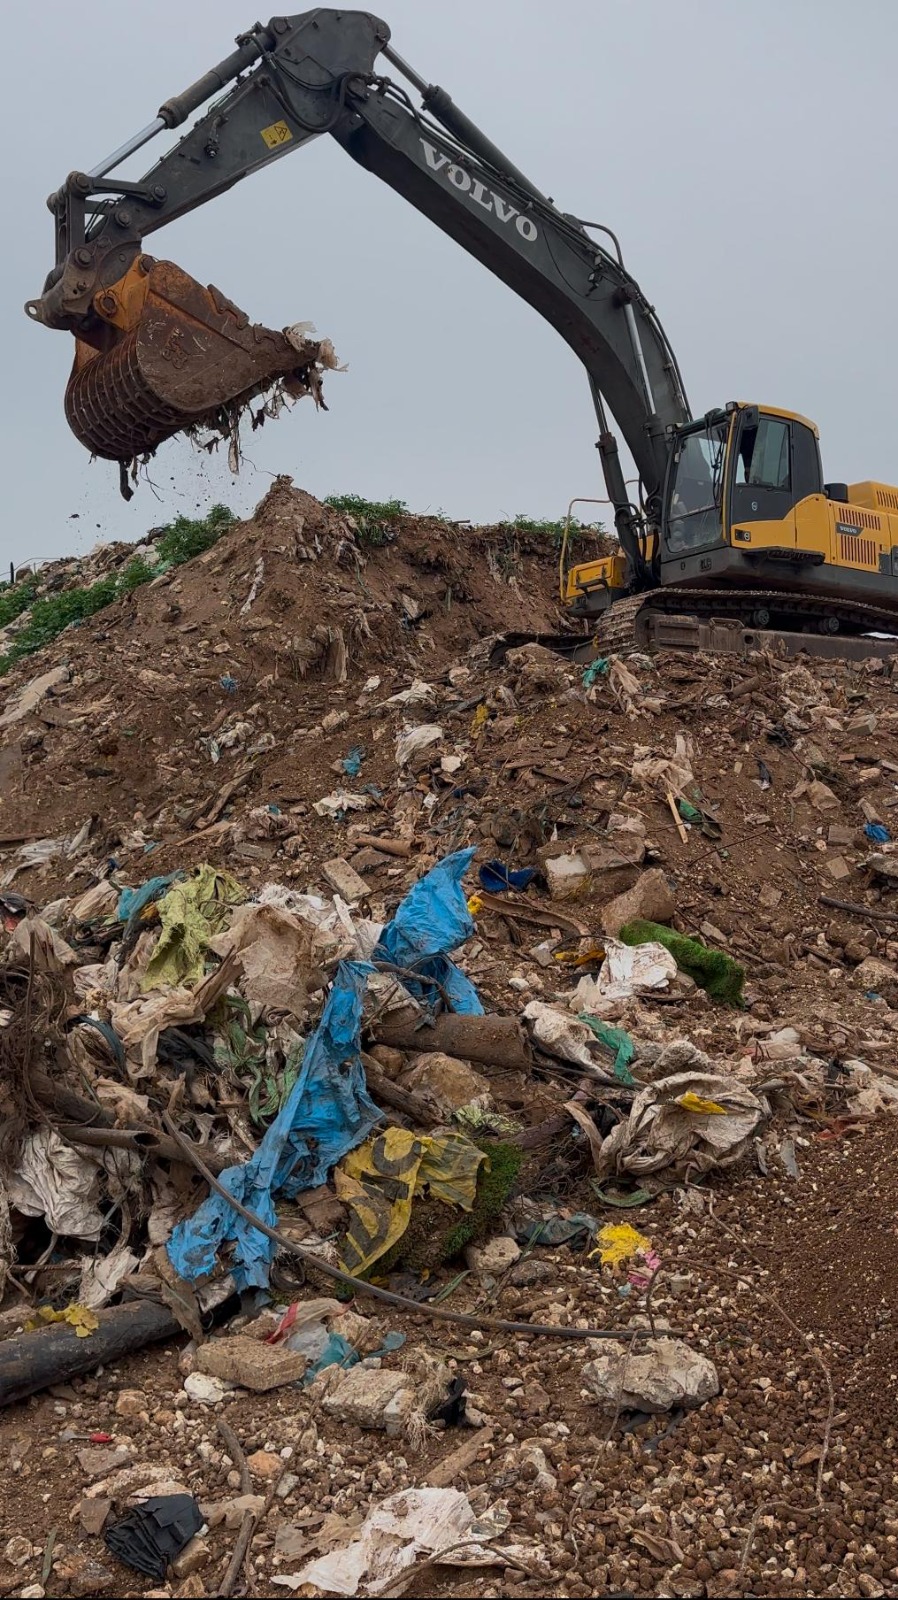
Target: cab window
column 762, row 459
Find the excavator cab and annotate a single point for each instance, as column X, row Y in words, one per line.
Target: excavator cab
column 734, row 483
column 746, row 507
column 748, row 525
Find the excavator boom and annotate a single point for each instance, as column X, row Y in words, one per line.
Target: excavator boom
column 284, row 85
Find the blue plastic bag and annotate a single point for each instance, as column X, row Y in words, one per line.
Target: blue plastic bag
column 496, row 877
column 132, row 901
column 433, row 919
column 878, row 832
column 329, row 1110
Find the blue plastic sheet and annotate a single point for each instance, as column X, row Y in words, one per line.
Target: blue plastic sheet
column 596, row 669
column 433, row 919
column 496, row 877
column 132, row 901
column 329, row 1110
column 878, row 832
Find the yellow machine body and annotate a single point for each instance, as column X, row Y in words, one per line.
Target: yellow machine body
column 789, row 533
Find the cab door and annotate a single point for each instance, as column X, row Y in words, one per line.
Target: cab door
column 763, row 487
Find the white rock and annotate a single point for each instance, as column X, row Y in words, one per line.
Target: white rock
column 494, row 1256
column 205, row 1389
column 363, row 1396
column 653, row 1377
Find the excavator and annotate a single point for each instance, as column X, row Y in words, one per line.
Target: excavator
column 732, row 535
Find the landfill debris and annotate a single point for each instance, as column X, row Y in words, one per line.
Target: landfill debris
column 228, row 904
column 249, row 1363
column 629, row 971
column 151, row 1536
column 378, row 1183
column 666, row 1374
column 437, row 1523
column 671, row 1128
column 712, row 970
column 649, row 900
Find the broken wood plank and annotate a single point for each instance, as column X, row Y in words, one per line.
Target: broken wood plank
column 858, row 910
column 680, row 824
column 515, row 906
column 420, row 1107
column 458, row 1461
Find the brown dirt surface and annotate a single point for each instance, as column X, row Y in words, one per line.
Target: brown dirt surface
column 790, row 761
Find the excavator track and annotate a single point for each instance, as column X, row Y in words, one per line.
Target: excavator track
column 724, row 619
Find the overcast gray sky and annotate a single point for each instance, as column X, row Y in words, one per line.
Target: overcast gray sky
column 745, row 154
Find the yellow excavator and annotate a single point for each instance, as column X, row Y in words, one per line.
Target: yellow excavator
column 733, row 533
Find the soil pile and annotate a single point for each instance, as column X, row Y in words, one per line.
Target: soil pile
column 677, row 908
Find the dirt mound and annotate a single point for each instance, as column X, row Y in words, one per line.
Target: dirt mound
column 308, row 708
column 262, row 633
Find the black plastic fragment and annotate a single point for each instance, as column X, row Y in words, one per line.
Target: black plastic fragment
column 151, row 1535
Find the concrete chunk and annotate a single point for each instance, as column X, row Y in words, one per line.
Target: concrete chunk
column 250, row 1363
column 365, row 1396
column 653, row 1377
column 344, row 880
column 568, row 876
column 650, row 900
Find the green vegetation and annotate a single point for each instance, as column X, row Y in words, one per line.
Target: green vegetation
column 495, row 1182
column 551, row 530
column 49, row 615
column 15, row 598
column 187, row 537
column 373, row 518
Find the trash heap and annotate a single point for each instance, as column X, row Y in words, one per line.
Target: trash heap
column 363, row 977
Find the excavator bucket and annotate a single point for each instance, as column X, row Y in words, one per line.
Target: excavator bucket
column 172, row 355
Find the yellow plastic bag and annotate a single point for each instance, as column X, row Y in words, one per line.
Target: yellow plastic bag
column 81, row 1318
column 702, row 1108
column 380, row 1179
column 618, row 1242
column 192, row 912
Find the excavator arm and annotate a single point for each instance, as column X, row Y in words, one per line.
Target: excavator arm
column 290, row 82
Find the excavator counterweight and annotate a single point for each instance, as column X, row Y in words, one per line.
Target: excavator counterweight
column 171, row 355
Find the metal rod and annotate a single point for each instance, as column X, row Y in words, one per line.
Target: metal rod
column 637, row 351
column 128, row 148
column 600, row 227
column 402, row 66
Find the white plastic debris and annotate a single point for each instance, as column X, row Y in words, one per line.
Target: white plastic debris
column 53, row 1181
column 562, row 1035
column 428, row 1522
column 413, row 740
column 340, row 800
column 258, row 575
column 689, row 1123
column 634, row 969
column 418, row 693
